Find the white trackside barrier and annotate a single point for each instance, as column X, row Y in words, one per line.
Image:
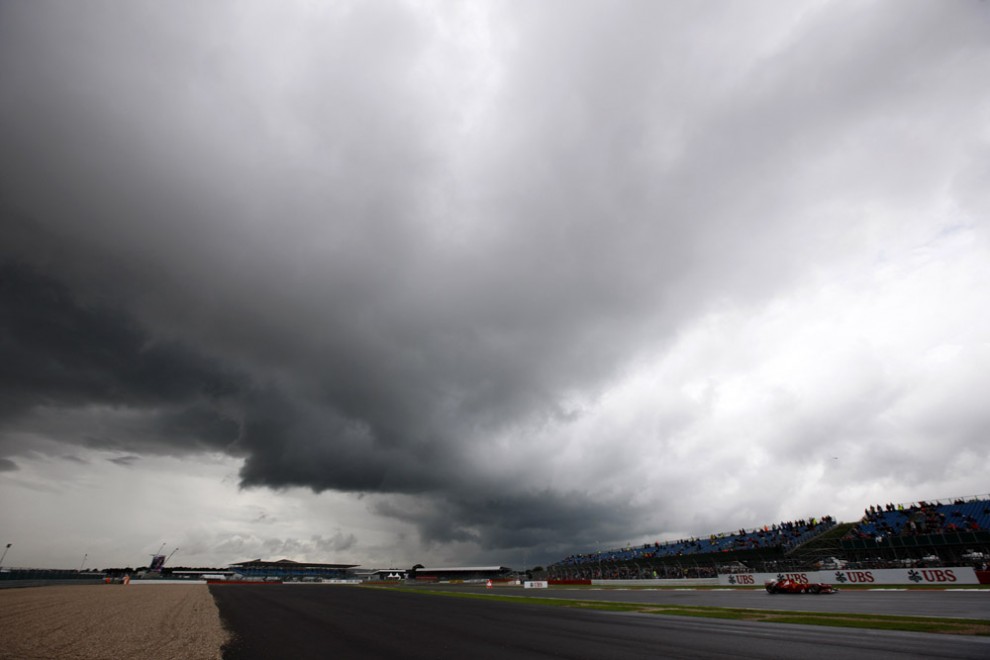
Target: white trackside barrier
column 885, row 576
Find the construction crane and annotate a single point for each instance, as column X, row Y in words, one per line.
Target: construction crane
column 157, row 560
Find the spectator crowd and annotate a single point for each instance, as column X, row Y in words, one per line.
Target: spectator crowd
column 920, row 519
column 784, row 535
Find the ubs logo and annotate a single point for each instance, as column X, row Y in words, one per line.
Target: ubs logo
column 932, row 575
column 854, row 577
column 793, row 577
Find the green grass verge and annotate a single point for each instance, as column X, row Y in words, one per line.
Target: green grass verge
column 844, row 620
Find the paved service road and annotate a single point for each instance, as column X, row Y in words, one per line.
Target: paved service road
column 964, row 604
column 324, row 621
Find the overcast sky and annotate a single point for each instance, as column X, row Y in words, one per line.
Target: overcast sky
column 457, row 283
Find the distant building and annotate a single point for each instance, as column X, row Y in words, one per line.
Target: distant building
column 386, row 575
column 462, row 573
column 286, row 569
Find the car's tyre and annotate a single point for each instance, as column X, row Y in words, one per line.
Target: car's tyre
column 814, row 589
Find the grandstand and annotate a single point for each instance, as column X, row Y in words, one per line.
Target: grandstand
column 928, row 533
column 694, row 557
column 947, row 530
column 287, row 569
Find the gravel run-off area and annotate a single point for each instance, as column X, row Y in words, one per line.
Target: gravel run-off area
column 84, row 622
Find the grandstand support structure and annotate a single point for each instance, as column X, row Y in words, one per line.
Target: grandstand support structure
column 824, row 545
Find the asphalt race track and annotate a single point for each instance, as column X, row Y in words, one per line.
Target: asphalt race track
column 326, row 621
column 965, row 603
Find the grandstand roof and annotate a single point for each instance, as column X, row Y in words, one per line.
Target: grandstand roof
column 462, row 569
column 288, row 563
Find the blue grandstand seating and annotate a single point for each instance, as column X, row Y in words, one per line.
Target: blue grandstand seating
column 785, row 535
column 923, row 518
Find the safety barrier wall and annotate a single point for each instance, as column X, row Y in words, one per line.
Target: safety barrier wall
column 11, row 584
column 682, row 582
column 902, row 576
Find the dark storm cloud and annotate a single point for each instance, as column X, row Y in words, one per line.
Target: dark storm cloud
column 60, row 354
column 60, row 351
column 125, row 461
column 290, row 445
column 65, row 357
column 553, row 523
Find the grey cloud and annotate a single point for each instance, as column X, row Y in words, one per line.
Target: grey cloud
column 299, row 238
column 315, row 547
column 334, row 545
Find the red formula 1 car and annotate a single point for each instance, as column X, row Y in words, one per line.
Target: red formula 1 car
column 792, row 587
